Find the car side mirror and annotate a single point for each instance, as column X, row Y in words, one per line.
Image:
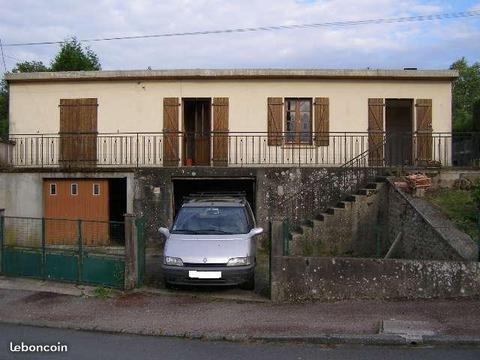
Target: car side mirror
column 164, row 231
column 256, row 231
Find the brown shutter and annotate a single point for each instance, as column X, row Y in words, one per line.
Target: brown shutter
column 78, row 132
column 170, row 131
column 424, row 130
column 220, row 131
column 275, row 121
column 375, row 131
column 322, row 126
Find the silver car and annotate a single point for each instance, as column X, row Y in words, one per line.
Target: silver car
column 211, row 243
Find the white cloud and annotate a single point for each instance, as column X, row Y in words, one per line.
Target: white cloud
column 387, row 45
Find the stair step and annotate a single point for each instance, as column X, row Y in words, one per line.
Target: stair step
column 363, row 192
column 341, row 204
column 351, row 198
column 307, row 222
column 322, row 216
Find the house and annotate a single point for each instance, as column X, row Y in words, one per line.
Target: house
column 138, row 141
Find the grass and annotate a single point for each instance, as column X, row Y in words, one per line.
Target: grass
column 102, row 292
column 459, row 206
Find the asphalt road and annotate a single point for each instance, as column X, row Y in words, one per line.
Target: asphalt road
column 90, row 345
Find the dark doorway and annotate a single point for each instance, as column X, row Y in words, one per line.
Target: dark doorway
column 398, row 127
column 117, row 189
column 184, row 187
column 196, row 127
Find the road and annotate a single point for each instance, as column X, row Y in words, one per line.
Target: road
column 90, row 345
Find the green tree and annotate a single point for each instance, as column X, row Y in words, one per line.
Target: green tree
column 29, row 66
column 70, row 57
column 73, row 57
column 466, row 92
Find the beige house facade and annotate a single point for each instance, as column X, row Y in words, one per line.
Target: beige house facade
column 230, row 117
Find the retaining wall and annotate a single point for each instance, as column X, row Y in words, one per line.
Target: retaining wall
column 327, row 279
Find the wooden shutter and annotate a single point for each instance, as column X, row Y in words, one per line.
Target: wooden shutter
column 78, row 132
column 275, row 121
column 322, row 126
column 220, row 131
column 170, row 131
column 375, row 132
column 424, row 130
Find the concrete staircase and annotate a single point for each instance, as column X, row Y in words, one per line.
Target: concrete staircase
column 348, row 228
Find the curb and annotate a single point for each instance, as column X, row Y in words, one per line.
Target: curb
column 325, row 339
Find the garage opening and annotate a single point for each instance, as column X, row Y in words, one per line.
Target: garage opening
column 398, row 126
column 117, row 194
column 184, row 187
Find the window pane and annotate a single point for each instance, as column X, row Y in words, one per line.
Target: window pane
column 305, row 125
column 305, row 121
column 291, row 105
column 305, row 105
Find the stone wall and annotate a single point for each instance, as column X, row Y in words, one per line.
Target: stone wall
column 154, row 190
column 425, row 232
column 350, row 228
column 327, row 279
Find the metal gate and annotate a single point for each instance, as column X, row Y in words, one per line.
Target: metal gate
column 79, row 251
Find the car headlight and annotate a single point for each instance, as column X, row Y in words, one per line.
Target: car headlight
column 239, row 261
column 173, row 261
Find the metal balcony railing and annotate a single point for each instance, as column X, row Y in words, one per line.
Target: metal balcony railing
column 144, row 149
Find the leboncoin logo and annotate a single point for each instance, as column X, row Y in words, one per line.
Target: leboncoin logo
column 38, row 348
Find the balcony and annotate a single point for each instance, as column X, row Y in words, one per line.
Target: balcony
column 132, row 150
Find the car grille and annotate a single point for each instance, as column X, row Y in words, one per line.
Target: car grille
column 204, row 265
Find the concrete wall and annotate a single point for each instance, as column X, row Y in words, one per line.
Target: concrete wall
column 327, row 279
column 21, row 194
column 425, row 232
column 6, row 152
column 137, row 106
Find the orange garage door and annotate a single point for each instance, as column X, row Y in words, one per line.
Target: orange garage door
column 74, row 199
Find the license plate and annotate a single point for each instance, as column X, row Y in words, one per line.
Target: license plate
column 204, row 274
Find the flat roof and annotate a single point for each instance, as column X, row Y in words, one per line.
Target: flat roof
column 219, row 74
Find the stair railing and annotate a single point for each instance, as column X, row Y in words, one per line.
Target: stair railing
column 326, row 188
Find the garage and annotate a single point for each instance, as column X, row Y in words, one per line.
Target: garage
column 100, row 203
column 183, row 187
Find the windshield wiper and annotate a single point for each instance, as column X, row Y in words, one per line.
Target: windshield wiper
column 216, row 231
column 184, row 231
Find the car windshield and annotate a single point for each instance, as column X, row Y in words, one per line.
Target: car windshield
column 211, row 220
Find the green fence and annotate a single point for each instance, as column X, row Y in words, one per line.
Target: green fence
column 79, row 251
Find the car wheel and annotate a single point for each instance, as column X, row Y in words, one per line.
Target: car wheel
column 249, row 284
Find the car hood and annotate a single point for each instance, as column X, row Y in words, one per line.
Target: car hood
column 217, row 249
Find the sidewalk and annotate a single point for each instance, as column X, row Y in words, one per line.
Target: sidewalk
column 140, row 312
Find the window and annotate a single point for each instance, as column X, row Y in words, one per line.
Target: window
column 298, row 121
column 53, row 189
column 211, row 220
column 96, row 189
column 74, row 189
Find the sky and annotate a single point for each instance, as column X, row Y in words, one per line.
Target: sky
column 426, row 45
